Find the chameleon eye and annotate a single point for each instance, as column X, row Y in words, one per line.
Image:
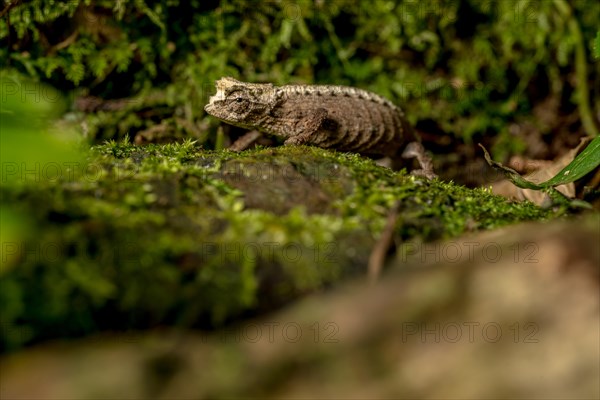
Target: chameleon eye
column 238, row 104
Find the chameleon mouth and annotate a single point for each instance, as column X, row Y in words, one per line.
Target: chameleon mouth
column 211, row 107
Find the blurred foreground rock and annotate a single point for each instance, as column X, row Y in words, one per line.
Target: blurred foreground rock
column 516, row 317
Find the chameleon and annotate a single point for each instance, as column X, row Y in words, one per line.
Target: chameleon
column 343, row 118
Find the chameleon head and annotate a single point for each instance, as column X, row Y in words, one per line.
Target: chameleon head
column 239, row 103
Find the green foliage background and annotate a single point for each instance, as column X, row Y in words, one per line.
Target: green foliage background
column 461, row 68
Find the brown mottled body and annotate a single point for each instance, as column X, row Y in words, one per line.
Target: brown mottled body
column 334, row 117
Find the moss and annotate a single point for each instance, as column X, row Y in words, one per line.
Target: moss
column 141, row 237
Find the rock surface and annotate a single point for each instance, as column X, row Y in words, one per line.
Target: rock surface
column 513, row 313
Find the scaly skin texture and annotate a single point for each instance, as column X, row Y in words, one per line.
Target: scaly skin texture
column 333, row 117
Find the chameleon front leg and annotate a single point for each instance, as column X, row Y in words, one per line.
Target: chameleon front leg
column 244, row 142
column 416, row 150
column 307, row 127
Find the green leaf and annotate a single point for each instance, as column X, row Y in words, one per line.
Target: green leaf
column 580, row 166
column 588, row 160
column 32, row 148
column 584, row 163
column 596, row 46
column 75, row 73
column 510, row 173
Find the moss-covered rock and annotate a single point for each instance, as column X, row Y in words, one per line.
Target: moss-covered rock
column 140, row 237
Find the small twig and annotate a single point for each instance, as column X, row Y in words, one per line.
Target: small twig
column 9, row 41
column 8, row 7
column 65, row 43
column 377, row 257
column 245, row 141
column 582, row 91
